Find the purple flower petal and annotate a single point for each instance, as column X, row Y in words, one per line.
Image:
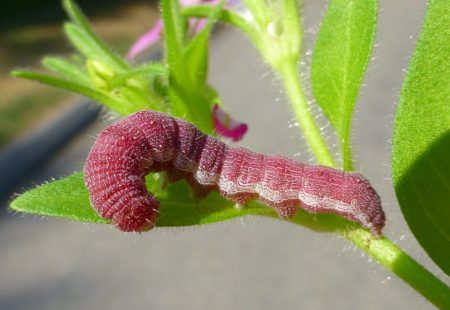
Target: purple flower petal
column 154, row 34
column 200, row 24
column 225, row 126
column 146, row 40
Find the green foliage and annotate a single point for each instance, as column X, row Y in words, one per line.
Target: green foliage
column 104, row 77
column 421, row 141
column 276, row 31
column 71, row 86
column 340, row 58
column 188, row 66
column 179, row 85
column 99, row 73
column 69, row 198
column 225, row 16
column 82, row 36
column 70, row 70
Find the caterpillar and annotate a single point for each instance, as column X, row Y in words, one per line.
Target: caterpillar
column 147, row 141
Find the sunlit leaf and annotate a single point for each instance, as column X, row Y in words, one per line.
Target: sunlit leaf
column 195, row 55
column 340, row 58
column 69, row 198
column 421, row 141
column 89, row 36
column 66, row 69
column 74, row 87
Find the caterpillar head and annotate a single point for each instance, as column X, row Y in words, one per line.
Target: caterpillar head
column 365, row 202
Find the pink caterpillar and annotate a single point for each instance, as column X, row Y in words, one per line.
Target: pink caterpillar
column 149, row 141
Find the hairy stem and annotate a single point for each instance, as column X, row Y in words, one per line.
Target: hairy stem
column 291, row 79
column 347, row 161
column 383, row 250
column 403, row 265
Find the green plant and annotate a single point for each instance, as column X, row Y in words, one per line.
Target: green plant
column 178, row 85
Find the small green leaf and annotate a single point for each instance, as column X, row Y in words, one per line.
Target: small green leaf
column 148, row 69
column 195, row 55
column 188, row 67
column 340, row 58
column 73, row 87
column 137, row 100
column 194, row 76
column 106, row 54
column 421, row 140
column 173, row 46
column 89, row 47
column 69, row 198
column 173, row 33
column 66, row 69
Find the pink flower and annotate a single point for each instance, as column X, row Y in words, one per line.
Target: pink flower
column 154, row 34
column 146, row 40
column 225, row 126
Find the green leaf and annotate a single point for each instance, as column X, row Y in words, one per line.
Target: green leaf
column 72, row 86
column 195, row 55
column 173, row 45
column 105, row 53
column 66, row 69
column 124, row 101
column 89, row 47
column 69, row 198
column 421, row 140
column 194, row 76
column 148, row 69
column 173, row 33
column 137, row 100
column 340, row 58
column 188, row 67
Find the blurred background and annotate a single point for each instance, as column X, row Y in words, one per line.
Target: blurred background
column 252, row 263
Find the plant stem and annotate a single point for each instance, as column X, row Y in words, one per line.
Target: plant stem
column 347, row 161
column 291, row 79
column 383, row 250
column 403, row 265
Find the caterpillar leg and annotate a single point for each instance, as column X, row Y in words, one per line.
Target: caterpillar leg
column 240, row 199
column 198, row 190
column 286, row 209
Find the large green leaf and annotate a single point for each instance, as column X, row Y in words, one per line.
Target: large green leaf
column 421, row 141
column 341, row 54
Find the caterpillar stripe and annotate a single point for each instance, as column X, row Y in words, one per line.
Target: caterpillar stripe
column 150, row 141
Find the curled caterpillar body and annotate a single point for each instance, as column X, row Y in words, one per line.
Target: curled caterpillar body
column 126, row 151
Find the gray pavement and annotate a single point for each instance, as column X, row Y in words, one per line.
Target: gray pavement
column 253, row 263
